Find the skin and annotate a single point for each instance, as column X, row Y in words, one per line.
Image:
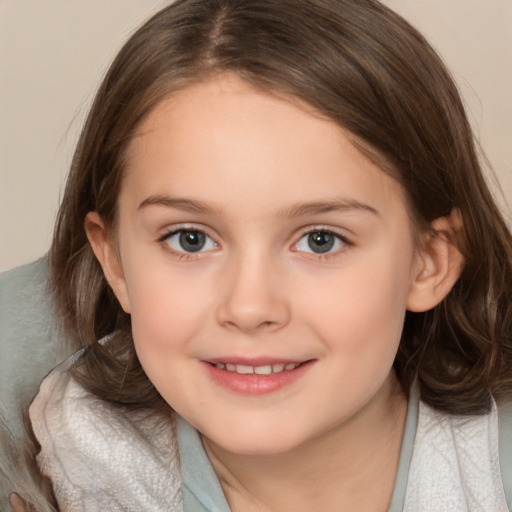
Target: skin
column 18, row 504
column 256, row 173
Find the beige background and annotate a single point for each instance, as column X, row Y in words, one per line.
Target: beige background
column 54, row 52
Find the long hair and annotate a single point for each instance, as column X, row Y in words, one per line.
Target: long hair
column 358, row 64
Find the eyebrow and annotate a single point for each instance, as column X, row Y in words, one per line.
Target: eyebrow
column 337, row 204
column 296, row 210
column 178, row 203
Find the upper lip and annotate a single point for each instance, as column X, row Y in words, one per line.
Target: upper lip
column 254, row 361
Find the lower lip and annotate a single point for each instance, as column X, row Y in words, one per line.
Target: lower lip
column 253, row 384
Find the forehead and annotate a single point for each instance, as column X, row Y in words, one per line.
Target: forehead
column 227, row 141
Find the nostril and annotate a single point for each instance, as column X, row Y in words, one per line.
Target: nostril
column 250, row 327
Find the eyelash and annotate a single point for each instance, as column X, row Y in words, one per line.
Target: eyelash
column 191, row 255
column 183, row 255
column 327, row 256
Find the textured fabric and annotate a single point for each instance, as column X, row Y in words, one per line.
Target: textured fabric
column 28, row 335
column 100, row 458
column 505, row 446
column 455, row 464
column 30, row 346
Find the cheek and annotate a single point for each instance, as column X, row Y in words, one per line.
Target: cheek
column 166, row 310
column 362, row 309
column 164, row 322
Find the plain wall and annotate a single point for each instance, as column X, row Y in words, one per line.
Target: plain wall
column 53, row 54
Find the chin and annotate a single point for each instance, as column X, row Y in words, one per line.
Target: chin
column 258, row 442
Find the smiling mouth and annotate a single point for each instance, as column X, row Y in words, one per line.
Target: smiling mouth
column 269, row 369
column 263, row 376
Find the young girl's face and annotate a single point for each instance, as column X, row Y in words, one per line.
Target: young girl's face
column 267, row 266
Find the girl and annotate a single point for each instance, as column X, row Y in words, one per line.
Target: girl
column 285, row 289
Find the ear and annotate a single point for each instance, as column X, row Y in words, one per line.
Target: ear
column 439, row 264
column 106, row 253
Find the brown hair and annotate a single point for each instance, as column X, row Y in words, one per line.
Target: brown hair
column 367, row 69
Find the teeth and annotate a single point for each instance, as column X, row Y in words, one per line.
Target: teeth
column 263, row 370
column 258, row 370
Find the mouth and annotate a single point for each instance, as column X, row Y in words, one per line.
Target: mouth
column 256, row 377
column 267, row 369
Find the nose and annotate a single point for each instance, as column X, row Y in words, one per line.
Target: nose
column 253, row 297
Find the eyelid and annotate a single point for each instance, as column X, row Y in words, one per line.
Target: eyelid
column 173, row 230
column 338, row 233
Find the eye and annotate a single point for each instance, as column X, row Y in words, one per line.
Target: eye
column 189, row 240
column 320, row 242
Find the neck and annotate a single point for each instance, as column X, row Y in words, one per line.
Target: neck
column 351, row 467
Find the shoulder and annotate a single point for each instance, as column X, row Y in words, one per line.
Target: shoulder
column 29, row 341
column 455, row 463
column 99, row 456
column 30, row 346
column 505, row 447
column 25, row 296
column 31, row 273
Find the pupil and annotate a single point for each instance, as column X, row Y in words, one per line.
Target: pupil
column 192, row 241
column 320, row 242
